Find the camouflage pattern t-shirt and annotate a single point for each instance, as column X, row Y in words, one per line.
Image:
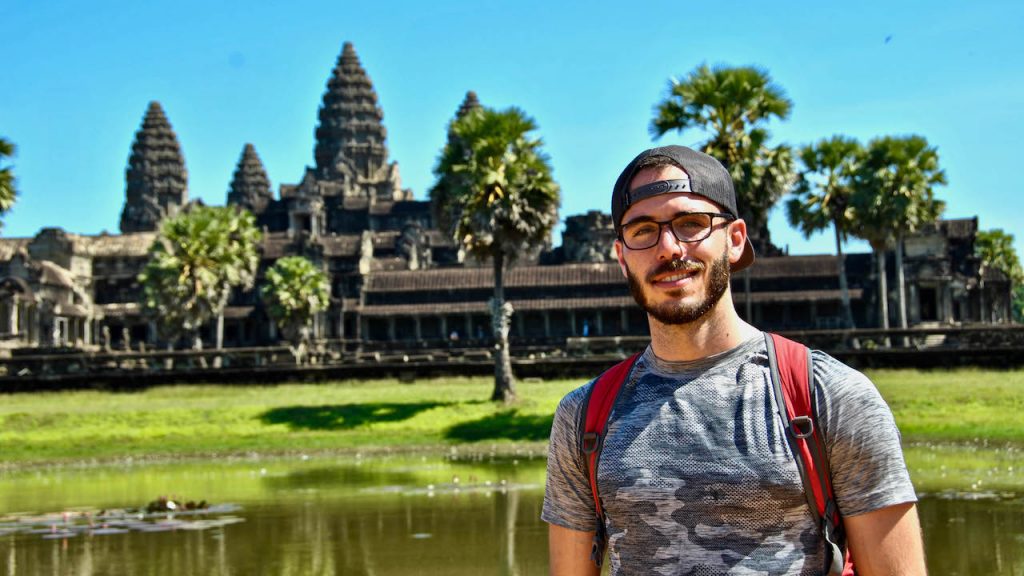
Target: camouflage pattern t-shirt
column 696, row 476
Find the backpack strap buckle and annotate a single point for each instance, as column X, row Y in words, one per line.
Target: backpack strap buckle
column 802, row 427
column 590, row 442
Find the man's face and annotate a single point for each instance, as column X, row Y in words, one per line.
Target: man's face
column 677, row 282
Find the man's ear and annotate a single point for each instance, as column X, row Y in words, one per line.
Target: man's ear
column 622, row 262
column 737, row 240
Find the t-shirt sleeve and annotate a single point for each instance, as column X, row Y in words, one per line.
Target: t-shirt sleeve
column 862, row 440
column 567, row 498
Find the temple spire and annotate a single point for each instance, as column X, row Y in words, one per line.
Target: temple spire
column 469, row 103
column 156, row 179
column 250, row 187
column 350, row 139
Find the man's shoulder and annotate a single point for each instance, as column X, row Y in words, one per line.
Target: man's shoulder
column 573, row 401
column 828, row 368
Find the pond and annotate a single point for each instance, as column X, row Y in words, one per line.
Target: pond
column 379, row 515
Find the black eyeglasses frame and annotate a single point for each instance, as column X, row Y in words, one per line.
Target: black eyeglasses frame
column 662, row 223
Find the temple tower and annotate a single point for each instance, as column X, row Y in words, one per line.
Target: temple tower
column 351, row 154
column 250, row 187
column 469, row 103
column 156, row 179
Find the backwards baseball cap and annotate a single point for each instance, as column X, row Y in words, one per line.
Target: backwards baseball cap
column 703, row 176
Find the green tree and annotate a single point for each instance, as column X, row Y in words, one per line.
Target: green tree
column 294, row 292
column 197, row 259
column 995, row 249
column 733, row 106
column 822, row 198
column 893, row 196
column 495, row 185
column 8, row 192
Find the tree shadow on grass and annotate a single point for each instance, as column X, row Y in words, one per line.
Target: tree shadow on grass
column 509, row 425
column 344, row 416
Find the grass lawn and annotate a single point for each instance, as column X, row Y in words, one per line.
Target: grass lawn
column 965, row 405
column 962, row 406
column 174, row 421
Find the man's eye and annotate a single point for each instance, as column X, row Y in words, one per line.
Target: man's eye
column 643, row 230
column 693, row 223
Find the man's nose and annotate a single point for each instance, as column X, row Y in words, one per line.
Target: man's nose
column 669, row 247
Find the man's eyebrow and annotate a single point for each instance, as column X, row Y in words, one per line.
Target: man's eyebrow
column 648, row 218
column 640, row 219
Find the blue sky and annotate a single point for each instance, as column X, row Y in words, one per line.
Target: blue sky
column 78, row 77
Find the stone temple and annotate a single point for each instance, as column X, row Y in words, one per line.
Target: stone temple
column 396, row 278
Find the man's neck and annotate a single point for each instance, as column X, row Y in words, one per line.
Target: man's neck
column 719, row 330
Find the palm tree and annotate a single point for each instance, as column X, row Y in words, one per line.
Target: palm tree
column 295, row 291
column 825, row 201
column 196, row 261
column 8, row 192
column 733, row 105
column 893, row 196
column 995, row 249
column 496, row 196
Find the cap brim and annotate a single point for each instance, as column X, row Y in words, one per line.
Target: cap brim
column 746, row 259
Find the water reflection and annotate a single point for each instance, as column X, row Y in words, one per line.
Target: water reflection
column 973, row 536
column 381, row 517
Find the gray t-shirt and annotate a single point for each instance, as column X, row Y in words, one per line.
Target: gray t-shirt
column 696, row 475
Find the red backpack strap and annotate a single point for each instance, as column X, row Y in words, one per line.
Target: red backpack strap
column 598, row 407
column 792, row 374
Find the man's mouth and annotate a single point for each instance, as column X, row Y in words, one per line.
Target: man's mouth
column 675, row 277
column 675, row 271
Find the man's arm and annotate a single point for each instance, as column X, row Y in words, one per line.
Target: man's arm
column 886, row 542
column 569, row 552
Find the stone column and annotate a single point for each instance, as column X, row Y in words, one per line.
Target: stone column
column 391, row 328
column 417, row 328
column 599, row 323
column 442, row 322
column 947, row 303
column 624, row 320
column 469, row 326
column 547, row 324
column 572, row 323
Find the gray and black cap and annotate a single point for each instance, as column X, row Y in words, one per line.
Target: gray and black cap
column 704, row 176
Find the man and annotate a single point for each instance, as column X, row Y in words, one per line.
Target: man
column 695, row 474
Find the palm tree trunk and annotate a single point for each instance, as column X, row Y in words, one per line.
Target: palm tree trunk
column 844, row 287
column 901, row 286
column 510, row 503
column 883, row 291
column 197, row 345
column 504, row 384
column 981, row 297
column 220, row 337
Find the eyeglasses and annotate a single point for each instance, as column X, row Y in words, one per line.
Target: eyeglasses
column 686, row 227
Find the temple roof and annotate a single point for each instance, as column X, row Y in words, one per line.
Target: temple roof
column 605, row 302
column 123, row 245
column 477, row 278
column 11, row 246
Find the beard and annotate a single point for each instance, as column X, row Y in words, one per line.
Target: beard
column 676, row 312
